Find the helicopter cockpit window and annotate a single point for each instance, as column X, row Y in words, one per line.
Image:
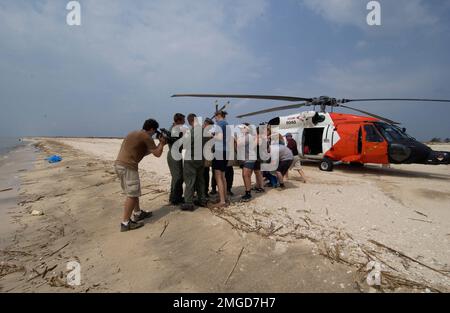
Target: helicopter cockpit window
column 392, row 133
column 372, row 135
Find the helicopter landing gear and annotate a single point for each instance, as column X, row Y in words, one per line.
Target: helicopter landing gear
column 326, row 165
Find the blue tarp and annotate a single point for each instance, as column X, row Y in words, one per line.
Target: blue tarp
column 54, row 159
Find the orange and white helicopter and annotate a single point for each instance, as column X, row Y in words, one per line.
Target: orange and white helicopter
column 331, row 137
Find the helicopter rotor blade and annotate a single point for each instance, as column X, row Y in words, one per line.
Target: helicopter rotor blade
column 260, row 97
column 393, row 99
column 286, row 107
column 371, row 114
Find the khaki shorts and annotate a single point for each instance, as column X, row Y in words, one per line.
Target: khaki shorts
column 129, row 181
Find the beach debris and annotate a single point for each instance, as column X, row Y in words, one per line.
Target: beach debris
column 9, row 268
column 221, row 247
column 408, row 257
column 374, row 276
column 419, row 220
column 420, row 213
column 234, row 267
column 32, row 200
column 12, row 252
column 7, row 189
column 166, row 223
column 54, row 159
column 37, row 213
column 59, row 281
column 56, row 251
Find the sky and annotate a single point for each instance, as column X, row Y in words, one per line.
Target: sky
column 125, row 60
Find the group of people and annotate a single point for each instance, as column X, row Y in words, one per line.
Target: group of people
column 189, row 167
column 194, row 172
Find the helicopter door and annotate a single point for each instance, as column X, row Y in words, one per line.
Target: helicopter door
column 374, row 147
column 312, row 141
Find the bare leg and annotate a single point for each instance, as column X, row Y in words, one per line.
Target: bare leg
column 137, row 207
column 247, row 176
column 280, row 178
column 302, row 174
column 130, row 204
column 221, row 185
column 259, row 179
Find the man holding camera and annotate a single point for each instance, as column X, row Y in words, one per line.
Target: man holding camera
column 135, row 147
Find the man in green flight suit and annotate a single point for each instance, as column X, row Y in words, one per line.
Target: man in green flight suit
column 176, row 166
column 193, row 167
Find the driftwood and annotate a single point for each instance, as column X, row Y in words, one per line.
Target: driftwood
column 419, row 220
column 420, row 213
column 7, row 189
column 166, row 223
column 9, row 268
column 408, row 257
column 16, row 252
column 36, row 199
column 56, row 251
column 160, row 195
column 235, row 264
column 221, row 247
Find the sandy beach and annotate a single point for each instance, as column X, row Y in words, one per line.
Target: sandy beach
column 313, row 237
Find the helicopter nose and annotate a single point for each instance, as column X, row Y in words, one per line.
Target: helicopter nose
column 439, row 157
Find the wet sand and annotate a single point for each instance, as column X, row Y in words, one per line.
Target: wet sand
column 12, row 166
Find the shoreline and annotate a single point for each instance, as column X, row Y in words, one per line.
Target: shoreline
column 18, row 160
column 304, row 245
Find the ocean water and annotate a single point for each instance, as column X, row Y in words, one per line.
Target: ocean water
column 9, row 143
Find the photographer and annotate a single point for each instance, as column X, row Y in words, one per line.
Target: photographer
column 176, row 166
column 135, row 147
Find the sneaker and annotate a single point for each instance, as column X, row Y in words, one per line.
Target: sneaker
column 247, row 197
column 142, row 216
column 187, row 207
column 131, row 226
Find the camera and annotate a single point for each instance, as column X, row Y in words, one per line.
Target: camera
column 166, row 134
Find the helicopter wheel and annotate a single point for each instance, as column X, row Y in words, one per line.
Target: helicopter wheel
column 326, row 165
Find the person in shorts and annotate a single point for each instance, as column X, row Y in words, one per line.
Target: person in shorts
column 251, row 164
column 286, row 158
column 220, row 162
column 135, row 147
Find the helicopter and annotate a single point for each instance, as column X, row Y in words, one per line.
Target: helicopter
column 330, row 138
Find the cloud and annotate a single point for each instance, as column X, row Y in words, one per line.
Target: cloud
column 397, row 16
column 379, row 77
column 124, row 58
